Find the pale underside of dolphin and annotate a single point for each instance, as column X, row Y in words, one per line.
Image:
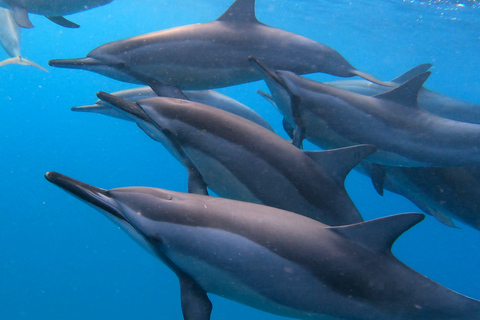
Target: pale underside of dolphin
column 10, row 40
column 54, row 10
column 212, row 55
column 405, row 134
column 275, row 260
column 439, row 104
column 208, row 97
column 238, row 159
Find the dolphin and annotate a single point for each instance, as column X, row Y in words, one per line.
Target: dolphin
column 54, row 10
column 405, row 134
column 10, row 40
column 208, row 97
column 446, row 193
column 241, row 160
column 274, row 260
column 439, row 104
column 212, row 55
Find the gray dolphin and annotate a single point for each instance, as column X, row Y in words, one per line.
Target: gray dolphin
column 431, row 101
column 241, row 160
column 444, row 192
column 275, row 260
column 10, row 40
column 212, row 55
column 208, row 97
column 52, row 9
column 405, row 134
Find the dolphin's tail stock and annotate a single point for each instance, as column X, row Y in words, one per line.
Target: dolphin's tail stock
column 22, row 61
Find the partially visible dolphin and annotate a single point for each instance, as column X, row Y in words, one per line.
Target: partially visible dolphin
column 52, row 9
column 431, row 101
column 208, row 97
column 275, row 260
column 405, row 134
column 444, row 192
column 241, row 160
column 212, row 55
column 10, row 40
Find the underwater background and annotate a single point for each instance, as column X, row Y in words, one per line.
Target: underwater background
column 60, row 259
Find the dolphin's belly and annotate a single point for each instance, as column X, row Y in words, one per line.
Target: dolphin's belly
column 238, row 269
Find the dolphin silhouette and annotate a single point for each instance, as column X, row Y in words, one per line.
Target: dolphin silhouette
column 275, row 260
column 208, row 97
column 54, row 10
column 212, row 55
column 241, row 160
column 10, row 40
column 405, row 134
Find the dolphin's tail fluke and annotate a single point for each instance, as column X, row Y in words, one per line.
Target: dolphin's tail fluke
column 22, row 61
column 371, row 78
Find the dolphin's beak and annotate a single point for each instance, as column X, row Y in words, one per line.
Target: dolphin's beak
column 124, row 105
column 267, row 73
column 79, row 63
column 89, row 108
column 97, row 197
column 371, row 78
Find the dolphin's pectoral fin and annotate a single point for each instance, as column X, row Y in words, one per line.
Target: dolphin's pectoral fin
column 161, row 89
column 412, row 73
column 21, row 17
column 299, row 133
column 377, row 174
column 443, row 218
column 406, row 93
column 63, row 21
column 340, row 162
column 289, row 129
column 195, row 302
column 267, row 97
column 195, row 182
column 240, row 11
column 379, row 234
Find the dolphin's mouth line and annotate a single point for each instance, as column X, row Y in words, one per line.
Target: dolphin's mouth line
column 75, row 63
column 95, row 196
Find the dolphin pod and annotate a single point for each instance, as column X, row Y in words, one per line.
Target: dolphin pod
column 10, row 40
column 208, row 97
column 54, row 10
column 212, row 55
column 405, row 134
column 241, row 160
column 275, row 260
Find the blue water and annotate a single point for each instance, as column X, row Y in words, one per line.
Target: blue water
column 60, row 259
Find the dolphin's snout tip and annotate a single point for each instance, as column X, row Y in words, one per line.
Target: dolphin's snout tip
column 50, row 176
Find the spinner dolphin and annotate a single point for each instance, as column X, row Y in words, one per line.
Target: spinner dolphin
column 241, row 160
column 212, row 55
column 275, row 260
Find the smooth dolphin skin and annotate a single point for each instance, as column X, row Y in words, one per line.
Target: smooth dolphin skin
column 52, row 9
column 212, row 55
column 238, row 159
column 439, row 104
column 208, row 97
column 275, row 260
column 444, row 192
column 10, row 40
column 405, row 134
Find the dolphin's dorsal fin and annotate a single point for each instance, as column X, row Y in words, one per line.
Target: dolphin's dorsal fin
column 240, row 11
column 339, row 162
column 379, row 234
column 406, row 93
column 412, row 73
